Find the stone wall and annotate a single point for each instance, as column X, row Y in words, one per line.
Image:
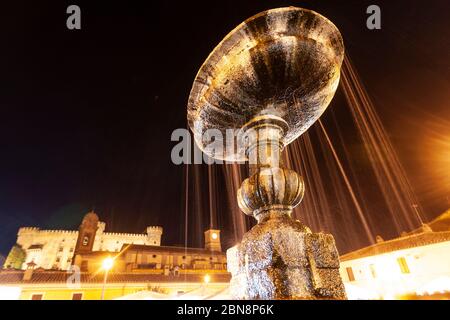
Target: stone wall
column 54, row 249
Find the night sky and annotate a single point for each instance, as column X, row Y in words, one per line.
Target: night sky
column 86, row 115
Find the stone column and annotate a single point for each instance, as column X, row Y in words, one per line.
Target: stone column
column 279, row 258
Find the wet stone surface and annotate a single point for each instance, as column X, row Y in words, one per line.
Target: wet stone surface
column 283, row 62
column 281, row 259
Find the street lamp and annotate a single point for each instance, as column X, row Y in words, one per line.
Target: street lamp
column 107, row 264
column 206, row 280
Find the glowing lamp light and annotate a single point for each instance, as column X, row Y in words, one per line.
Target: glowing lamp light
column 108, row 263
column 207, row 279
column 439, row 285
column 214, row 236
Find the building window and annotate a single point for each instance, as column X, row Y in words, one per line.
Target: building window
column 71, row 250
column 154, row 256
column 146, row 266
column 61, row 249
column 84, row 265
column 403, row 265
column 85, row 240
column 184, row 257
column 351, row 276
column 36, row 297
column 77, row 296
column 58, row 259
column 373, row 271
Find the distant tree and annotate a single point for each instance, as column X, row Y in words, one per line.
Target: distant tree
column 15, row 258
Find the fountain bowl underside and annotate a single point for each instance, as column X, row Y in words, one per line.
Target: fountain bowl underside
column 283, row 62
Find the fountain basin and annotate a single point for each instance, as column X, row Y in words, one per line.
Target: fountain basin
column 283, row 62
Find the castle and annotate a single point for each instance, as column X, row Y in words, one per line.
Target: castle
column 60, row 264
column 58, row 249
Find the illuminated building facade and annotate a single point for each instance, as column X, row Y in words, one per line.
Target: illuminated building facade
column 34, row 269
column 416, row 264
column 59, row 249
column 167, row 260
column 55, row 249
column 58, row 285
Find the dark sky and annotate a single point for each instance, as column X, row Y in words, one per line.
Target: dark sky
column 86, row 116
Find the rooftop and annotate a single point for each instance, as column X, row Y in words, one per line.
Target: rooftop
column 55, row 277
column 441, row 223
column 35, row 247
column 185, row 250
column 410, row 241
column 435, row 231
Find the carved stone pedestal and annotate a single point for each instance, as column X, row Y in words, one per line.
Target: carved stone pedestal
column 280, row 258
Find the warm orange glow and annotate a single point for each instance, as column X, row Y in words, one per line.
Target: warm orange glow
column 435, row 158
column 108, row 263
column 207, row 279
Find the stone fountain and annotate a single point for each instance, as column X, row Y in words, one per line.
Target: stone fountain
column 264, row 85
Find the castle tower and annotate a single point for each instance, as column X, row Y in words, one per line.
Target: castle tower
column 154, row 236
column 212, row 240
column 86, row 233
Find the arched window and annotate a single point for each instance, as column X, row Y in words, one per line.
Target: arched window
column 85, row 240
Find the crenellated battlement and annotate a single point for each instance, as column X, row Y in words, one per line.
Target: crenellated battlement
column 59, row 231
column 34, row 230
column 154, row 229
column 28, row 229
column 101, row 226
column 128, row 235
